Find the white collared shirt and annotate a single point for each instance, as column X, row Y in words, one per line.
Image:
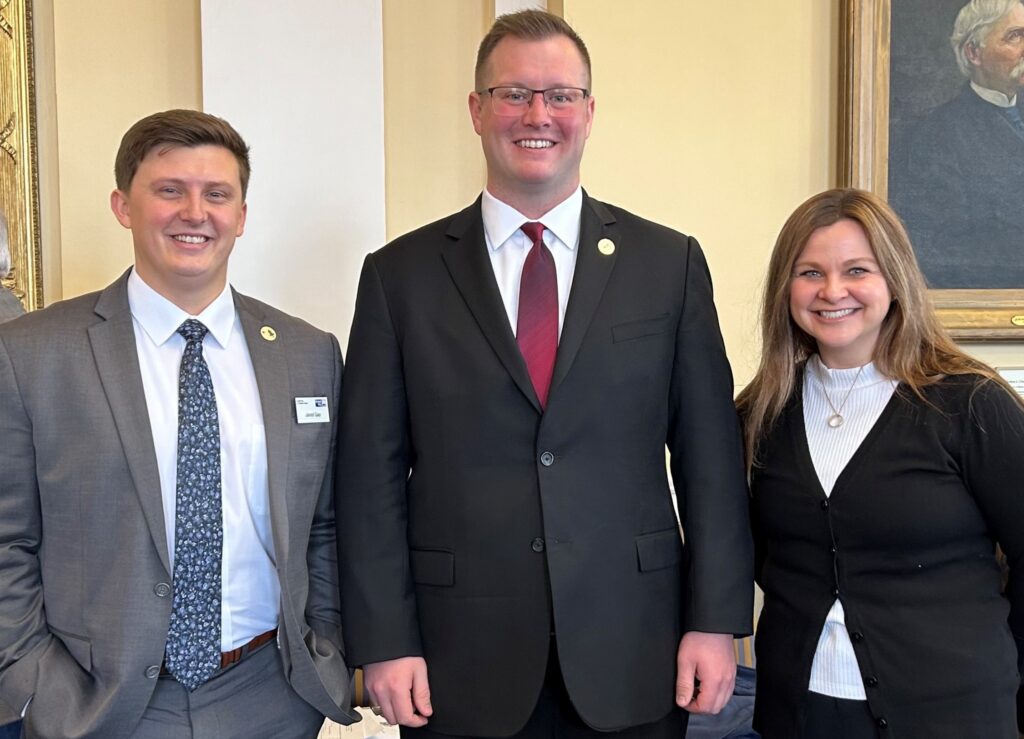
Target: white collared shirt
column 250, row 592
column 508, row 246
column 995, row 97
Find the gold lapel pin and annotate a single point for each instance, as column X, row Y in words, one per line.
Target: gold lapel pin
column 268, row 333
column 606, row 246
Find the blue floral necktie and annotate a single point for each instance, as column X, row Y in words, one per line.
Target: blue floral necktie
column 193, row 639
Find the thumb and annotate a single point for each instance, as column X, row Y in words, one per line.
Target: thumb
column 685, row 680
column 421, row 692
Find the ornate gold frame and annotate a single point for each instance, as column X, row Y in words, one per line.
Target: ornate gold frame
column 19, row 180
column 863, row 162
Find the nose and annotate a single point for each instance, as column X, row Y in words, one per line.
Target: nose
column 833, row 289
column 536, row 113
column 193, row 208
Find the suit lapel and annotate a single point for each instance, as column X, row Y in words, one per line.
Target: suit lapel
column 270, row 366
column 466, row 258
column 588, row 282
column 117, row 361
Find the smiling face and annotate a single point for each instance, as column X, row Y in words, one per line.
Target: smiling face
column 533, row 160
column 185, row 209
column 838, row 296
column 999, row 63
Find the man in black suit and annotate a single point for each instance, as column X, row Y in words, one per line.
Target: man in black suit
column 511, row 561
column 958, row 191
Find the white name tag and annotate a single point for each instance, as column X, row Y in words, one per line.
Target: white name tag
column 312, row 410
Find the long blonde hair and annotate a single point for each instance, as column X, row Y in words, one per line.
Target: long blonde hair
column 912, row 347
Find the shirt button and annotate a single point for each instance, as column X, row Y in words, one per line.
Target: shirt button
column 162, row 590
column 857, row 636
column 547, row 459
column 824, row 505
column 871, row 682
column 153, row 672
column 537, row 545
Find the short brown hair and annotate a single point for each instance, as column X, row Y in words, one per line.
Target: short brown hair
column 529, row 25
column 173, row 128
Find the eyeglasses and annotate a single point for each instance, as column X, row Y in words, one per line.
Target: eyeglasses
column 514, row 101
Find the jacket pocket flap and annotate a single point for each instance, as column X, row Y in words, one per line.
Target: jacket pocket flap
column 78, row 647
column 432, row 567
column 639, row 329
column 659, row 550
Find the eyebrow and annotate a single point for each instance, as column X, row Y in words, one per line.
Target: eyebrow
column 219, row 184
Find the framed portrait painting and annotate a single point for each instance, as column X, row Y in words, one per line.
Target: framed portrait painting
column 930, row 119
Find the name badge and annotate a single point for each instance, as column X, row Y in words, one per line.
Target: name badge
column 312, row 410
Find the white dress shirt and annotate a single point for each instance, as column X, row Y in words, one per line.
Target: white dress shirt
column 1000, row 99
column 834, row 671
column 250, row 592
column 508, row 247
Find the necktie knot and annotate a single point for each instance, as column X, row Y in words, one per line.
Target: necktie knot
column 534, row 231
column 193, row 330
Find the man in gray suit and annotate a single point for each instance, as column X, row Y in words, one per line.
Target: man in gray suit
column 10, row 306
column 167, row 540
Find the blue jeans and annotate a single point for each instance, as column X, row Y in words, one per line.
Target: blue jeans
column 734, row 721
column 11, row 731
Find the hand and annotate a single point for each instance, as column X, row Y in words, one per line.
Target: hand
column 708, row 658
column 399, row 687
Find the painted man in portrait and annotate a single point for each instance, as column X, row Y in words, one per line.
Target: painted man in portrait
column 959, row 188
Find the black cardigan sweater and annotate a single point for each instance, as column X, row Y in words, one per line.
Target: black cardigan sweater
column 906, row 542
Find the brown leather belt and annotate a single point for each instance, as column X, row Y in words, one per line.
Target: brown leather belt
column 236, row 655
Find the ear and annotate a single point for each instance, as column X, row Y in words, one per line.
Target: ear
column 241, row 221
column 590, row 114
column 119, row 206
column 476, row 105
column 973, row 53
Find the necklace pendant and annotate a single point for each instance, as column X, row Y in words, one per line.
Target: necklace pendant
column 835, row 421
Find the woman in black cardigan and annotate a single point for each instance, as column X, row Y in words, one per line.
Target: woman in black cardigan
column 885, row 466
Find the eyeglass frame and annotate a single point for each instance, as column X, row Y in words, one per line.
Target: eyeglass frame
column 543, row 96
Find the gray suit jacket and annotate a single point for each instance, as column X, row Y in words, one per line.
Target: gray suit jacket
column 82, row 540
column 10, row 306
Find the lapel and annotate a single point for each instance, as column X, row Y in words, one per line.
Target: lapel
column 117, row 361
column 465, row 256
column 588, row 282
column 270, row 366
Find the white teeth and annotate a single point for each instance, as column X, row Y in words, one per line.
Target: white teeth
column 535, row 144
column 835, row 313
column 190, row 239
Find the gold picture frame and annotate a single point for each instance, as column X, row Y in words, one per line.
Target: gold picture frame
column 19, row 179
column 864, row 62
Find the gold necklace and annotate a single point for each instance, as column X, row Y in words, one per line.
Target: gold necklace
column 836, row 419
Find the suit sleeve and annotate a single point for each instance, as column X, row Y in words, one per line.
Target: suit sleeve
column 707, row 466
column 377, row 600
column 323, row 608
column 24, row 636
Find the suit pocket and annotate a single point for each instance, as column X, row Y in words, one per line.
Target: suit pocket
column 659, row 550
column 432, row 567
column 639, row 329
column 78, row 647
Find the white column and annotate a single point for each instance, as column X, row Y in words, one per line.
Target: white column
column 303, row 84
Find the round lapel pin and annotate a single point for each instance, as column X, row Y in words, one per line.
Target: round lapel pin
column 606, row 247
column 268, row 333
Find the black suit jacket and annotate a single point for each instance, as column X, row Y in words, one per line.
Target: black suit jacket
column 959, row 194
column 473, row 526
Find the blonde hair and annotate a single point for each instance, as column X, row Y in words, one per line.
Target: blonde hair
column 912, row 347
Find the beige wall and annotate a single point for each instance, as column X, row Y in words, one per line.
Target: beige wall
column 716, row 128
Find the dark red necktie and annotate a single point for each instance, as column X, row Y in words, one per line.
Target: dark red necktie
column 537, row 327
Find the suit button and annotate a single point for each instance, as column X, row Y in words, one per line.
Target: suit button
column 537, row 545
column 162, row 589
column 547, row 459
column 882, row 723
column 835, row 592
column 824, row 505
column 871, row 682
column 153, row 672
column 857, row 637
